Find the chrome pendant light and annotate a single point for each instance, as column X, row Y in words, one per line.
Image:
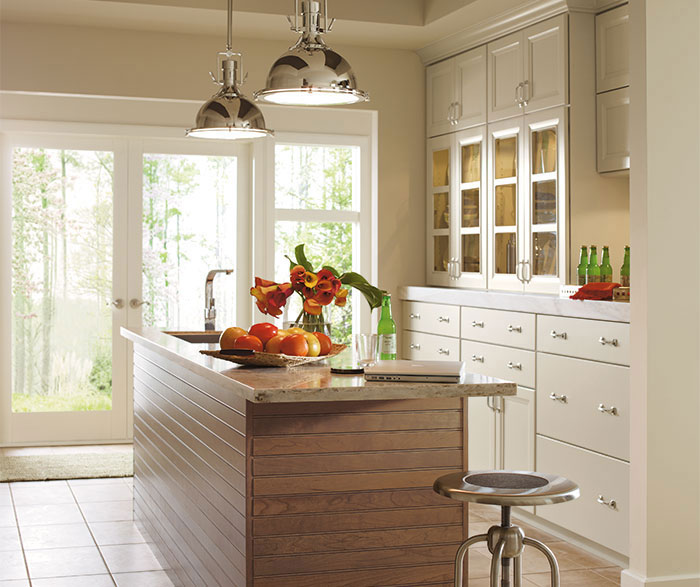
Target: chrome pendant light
column 228, row 114
column 311, row 73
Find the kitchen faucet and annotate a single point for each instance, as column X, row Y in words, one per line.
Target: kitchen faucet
column 209, row 302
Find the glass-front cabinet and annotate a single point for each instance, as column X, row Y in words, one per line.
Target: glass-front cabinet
column 457, row 209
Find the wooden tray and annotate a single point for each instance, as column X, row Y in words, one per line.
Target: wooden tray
column 274, row 360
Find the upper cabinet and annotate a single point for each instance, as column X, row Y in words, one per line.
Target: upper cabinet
column 612, row 49
column 456, row 93
column 527, row 70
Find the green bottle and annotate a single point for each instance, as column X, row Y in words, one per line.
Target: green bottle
column 625, row 269
column 593, row 271
column 606, row 267
column 582, row 265
column 386, row 329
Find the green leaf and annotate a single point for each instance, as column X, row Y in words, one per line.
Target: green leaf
column 333, row 270
column 301, row 258
column 372, row 294
column 292, row 263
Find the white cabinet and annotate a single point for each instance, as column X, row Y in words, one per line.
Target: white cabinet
column 612, row 113
column 527, row 71
column 612, row 49
column 456, row 93
column 481, row 434
column 456, row 209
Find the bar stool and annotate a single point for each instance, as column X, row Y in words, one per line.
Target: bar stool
column 506, row 489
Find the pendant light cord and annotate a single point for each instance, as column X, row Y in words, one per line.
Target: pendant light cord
column 229, row 32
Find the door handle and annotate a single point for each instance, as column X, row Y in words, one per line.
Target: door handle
column 118, row 303
column 526, row 91
column 527, row 279
column 136, row 303
column 518, row 95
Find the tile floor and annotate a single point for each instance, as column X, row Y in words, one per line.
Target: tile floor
column 81, row 533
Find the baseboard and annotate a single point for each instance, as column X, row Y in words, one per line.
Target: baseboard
column 630, row 579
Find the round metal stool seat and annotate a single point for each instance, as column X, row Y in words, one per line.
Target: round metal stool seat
column 506, row 489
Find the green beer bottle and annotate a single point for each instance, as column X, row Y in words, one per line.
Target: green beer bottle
column 606, row 267
column 582, row 265
column 386, row 329
column 625, row 269
column 593, row 271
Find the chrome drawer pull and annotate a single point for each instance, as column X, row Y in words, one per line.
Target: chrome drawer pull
column 517, row 366
column 612, row 410
column 613, row 342
column 479, row 359
column 555, row 334
column 443, row 319
column 414, row 346
column 612, row 504
column 476, row 324
column 512, row 328
column 442, row 351
column 416, row 316
column 558, row 398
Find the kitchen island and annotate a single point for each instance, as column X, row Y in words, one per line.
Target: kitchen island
column 294, row 477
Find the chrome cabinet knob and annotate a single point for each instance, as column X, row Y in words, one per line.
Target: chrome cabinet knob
column 517, row 366
column 612, row 410
column 414, row 346
column 558, row 398
column 414, row 316
column 476, row 324
column 135, row 303
column 555, row 334
column 612, row 342
column 442, row 351
column 512, row 328
column 118, row 303
column 443, row 319
column 611, row 503
column 478, row 358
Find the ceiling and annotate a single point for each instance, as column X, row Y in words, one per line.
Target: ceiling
column 401, row 24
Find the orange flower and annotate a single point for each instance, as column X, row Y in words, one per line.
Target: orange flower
column 324, row 297
column 269, row 296
column 341, row 298
column 310, row 279
column 296, row 276
column 312, row 307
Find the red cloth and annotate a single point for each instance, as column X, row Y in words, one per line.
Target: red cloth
column 595, row 291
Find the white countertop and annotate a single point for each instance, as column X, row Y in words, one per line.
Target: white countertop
column 519, row 302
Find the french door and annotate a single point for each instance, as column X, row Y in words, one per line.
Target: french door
column 96, row 234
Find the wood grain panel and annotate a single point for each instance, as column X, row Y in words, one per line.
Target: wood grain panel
column 349, row 407
column 340, row 502
column 338, row 443
column 358, row 461
column 343, row 522
column 342, row 541
column 340, row 422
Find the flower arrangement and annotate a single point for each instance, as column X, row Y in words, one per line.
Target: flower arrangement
column 317, row 290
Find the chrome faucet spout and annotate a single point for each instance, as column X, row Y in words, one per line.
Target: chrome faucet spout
column 209, row 301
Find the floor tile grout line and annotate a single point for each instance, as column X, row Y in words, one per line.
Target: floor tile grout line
column 19, row 534
column 99, row 550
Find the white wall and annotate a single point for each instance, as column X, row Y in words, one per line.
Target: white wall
column 81, row 60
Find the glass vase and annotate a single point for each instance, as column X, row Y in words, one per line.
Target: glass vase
column 310, row 323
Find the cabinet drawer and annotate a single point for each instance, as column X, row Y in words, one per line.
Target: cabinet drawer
column 418, row 346
column 431, row 318
column 572, row 395
column 587, row 339
column 499, row 327
column 497, row 361
column 598, row 476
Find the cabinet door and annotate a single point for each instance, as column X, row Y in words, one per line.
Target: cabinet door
column 612, row 49
column 469, row 226
column 440, row 84
column 505, row 249
column 518, row 432
column 613, row 130
column 470, row 88
column 481, row 434
column 544, row 201
column 439, row 212
column 546, row 64
column 505, row 75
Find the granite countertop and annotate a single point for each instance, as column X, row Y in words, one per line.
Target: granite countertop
column 306, row 383
column 519, row 302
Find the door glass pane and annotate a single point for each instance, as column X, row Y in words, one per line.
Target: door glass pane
column 544, row 151
column 506, row 153
column 441, row 168
column 544, row 253
column 441, row 210
column 471, row 163
column 61, row 280
column 470, row 208
column 505, row 205
column 189, row 227
column 441, row 246
column 544, row 202
column 506, row 252
column 471, row 258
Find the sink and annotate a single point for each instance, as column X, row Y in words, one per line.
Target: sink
column 208, row 336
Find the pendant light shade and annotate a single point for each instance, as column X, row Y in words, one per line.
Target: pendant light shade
column 311, row 73
column 228, row 114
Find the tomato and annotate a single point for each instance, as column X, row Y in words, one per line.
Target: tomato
column 296, row 330
column 325, row 341
column 295, row 345
column 248, row 342
column 314, row 345
column 274, row 344
column 264, row 331
column 228, row 337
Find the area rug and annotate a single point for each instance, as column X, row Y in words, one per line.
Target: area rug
column 80, row 465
